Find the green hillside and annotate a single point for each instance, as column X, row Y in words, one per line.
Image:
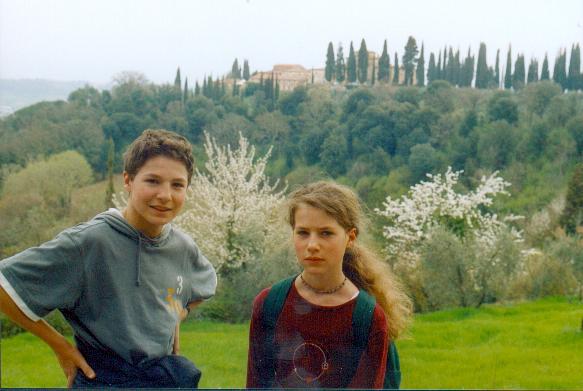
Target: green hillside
column 534, row 345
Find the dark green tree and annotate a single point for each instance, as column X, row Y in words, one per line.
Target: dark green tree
column 177, row 81
column 246, row 73
column 560, row 69
column 438, row 73
column 340, row 65
column 532, row 76
column 330, row 69
column 396, row 71
column 573, row 80
column 467, row 72
column 421, row 69
column 508, row 70
column 351, row 66
column 482, row 68
column 572, row 216
column 519, row 73
column 431, row 68
column 110, row 190
column 362, row 62
column 186, row 93
column 410, row 60
column 497, row 70
column 236, row 70
column 196, row 89
column 384, row 65
column 544, row 74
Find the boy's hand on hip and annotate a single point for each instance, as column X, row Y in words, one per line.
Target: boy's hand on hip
column 71, row 360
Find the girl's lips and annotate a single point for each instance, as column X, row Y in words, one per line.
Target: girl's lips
column 313, row 259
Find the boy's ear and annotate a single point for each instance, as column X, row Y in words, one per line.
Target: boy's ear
column 126, row 181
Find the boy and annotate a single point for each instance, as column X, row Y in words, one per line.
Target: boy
column 123, row 280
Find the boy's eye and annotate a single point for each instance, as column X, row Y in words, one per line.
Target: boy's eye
column 327, row 233
column 179, row 185
column 151, row 180
column 302, row 233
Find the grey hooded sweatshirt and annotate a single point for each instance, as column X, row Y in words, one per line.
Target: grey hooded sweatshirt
column 118, row 289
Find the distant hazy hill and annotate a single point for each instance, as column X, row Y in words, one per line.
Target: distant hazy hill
column 16, row 94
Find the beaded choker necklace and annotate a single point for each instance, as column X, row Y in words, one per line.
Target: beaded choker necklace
column 328, row 291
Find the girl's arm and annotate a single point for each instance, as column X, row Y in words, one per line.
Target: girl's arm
column 70, row 359
column 373, row 361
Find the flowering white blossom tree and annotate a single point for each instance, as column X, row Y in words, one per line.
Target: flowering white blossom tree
column 232, row 210
column 429, row 204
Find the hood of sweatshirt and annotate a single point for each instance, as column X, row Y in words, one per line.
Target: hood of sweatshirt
column 115, row 220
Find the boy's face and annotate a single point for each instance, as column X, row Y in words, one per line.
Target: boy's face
column 156, row 194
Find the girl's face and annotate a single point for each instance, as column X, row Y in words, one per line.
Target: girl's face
column 319, row 241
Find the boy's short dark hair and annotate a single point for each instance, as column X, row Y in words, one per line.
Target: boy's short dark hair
column 158, row 142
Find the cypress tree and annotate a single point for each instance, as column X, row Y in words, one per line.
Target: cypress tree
column 110, row 190
column 205, row 87
column 544, row 75
column 235, row 70
column 384, row 65
column 177, row 81
column 374, row 70
column 572, row 216
column 559, row 71
column 330, row 70
column 246, row 73
column 340, row 65
column 449, row 67
column 196, row 89
column 444, row 65
column 519, row 73
column 277, row 88
column 467, row 73
column 532, row 76
column 508, row 70
column 410, row 60
column 351, row 66
column 497, row 70
column 362, row 62
column 438, row 74
column 482, row 68
column 396, row 71
column 185, row 96
column 431, row 68
column 456, row 67
column 574, row 69
column 420, row 75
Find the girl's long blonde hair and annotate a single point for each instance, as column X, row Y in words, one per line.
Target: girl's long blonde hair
column 361, row 265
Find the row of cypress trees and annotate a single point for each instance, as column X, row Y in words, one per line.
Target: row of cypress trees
column 460, row 72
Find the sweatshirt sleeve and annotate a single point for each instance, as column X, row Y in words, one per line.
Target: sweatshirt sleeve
column 41, row 279
column 256, row 359
column 372, row 366
column 203, row 276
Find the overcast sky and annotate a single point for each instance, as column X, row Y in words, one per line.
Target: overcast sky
column 93, row 40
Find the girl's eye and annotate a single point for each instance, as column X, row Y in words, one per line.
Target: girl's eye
column 327, row 233
column 179, row 185
column 302, row 233
column 151, row 180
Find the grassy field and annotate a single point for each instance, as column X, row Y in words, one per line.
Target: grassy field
column 534, row 345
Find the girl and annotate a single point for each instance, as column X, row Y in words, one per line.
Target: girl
column 311, row 342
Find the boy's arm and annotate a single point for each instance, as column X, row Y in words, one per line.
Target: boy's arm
column 183, row 315
column 69, row 357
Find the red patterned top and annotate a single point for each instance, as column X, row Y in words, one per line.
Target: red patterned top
column 313, row 346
